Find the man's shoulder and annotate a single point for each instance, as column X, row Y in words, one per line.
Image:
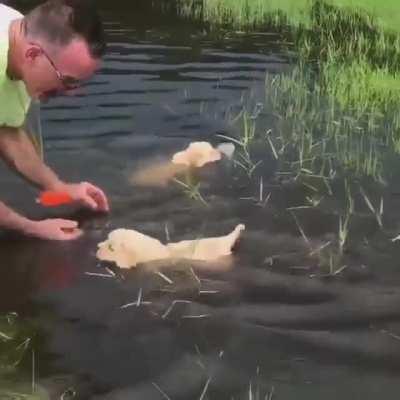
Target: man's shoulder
column 14, row 99
column 7, row 14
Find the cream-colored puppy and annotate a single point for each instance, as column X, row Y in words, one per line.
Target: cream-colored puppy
column 197, row 155
column 127, row 248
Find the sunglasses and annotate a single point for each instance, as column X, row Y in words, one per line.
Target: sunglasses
column 68, row 82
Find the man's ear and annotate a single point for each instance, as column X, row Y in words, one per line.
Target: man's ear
column 32, row 53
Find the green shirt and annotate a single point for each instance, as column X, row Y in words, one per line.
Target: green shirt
column 14, row 99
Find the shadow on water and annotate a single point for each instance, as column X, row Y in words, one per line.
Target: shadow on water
column 275, row 320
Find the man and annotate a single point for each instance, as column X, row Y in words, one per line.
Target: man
column 49, row 51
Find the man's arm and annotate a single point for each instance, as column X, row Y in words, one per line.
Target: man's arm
column 9, row 219
column 17, row 150
column 20, row 154
column 53, row 229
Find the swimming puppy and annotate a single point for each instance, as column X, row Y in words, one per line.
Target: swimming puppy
column 196, row 155
column 127, row 248
column 158, row 173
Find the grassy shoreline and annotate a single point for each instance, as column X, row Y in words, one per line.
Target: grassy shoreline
column 341, row 35
column 242, row 13
column 345, row 58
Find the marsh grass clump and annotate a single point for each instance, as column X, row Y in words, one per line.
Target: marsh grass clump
column 314, row 136
column 356, row 61
column 337, row 129
column 241, row 14
column 354, row 56
column 14, row 343
column 191, row 187
column 349, row 34
column 17, row 361
column 361, row 88
column 255, row 14
column 245, row 141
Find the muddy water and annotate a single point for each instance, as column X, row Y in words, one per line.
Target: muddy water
column 273, row 321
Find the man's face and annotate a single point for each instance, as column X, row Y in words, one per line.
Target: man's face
column 64, row 69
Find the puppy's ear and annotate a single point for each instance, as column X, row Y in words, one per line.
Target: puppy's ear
column 126, row 256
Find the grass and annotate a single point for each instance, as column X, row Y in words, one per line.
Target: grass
column 355, row 38
column 245, row 14
column 243, row 157
column 386, row 12
column 14, row 343
column 344, row 220
column 349, row 34
column 314, row 137
column 16, row 350
column 191, row 189
column 357, row 62
column 376, row 211
column 317, row 142
column 361, row 88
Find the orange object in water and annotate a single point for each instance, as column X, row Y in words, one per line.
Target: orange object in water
column 53, row 199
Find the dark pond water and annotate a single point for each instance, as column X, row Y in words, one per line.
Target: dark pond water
column 273, row 322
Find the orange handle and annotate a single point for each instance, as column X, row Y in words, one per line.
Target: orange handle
column 50, row 198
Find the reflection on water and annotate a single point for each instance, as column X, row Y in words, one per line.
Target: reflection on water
column 192, row 333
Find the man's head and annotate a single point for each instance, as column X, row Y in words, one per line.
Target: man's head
column 60, row 45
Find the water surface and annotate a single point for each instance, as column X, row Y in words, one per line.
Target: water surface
column 274, row 321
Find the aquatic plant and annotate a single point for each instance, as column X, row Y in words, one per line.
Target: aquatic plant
column 13, row 343
column 16, row 349
column 191, row 187
column 245, row 141
column 314, row 136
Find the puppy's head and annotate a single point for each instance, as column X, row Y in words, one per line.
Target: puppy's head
column 197, row 155
column 118, row 248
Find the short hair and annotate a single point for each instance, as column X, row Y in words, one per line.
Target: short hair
column 61, row 21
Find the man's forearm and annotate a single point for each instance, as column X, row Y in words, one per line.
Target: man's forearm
column 20, row 154
column 9, row 219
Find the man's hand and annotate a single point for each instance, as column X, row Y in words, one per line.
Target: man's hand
column 53, row 229
column 87, row 194
column 20, row 154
